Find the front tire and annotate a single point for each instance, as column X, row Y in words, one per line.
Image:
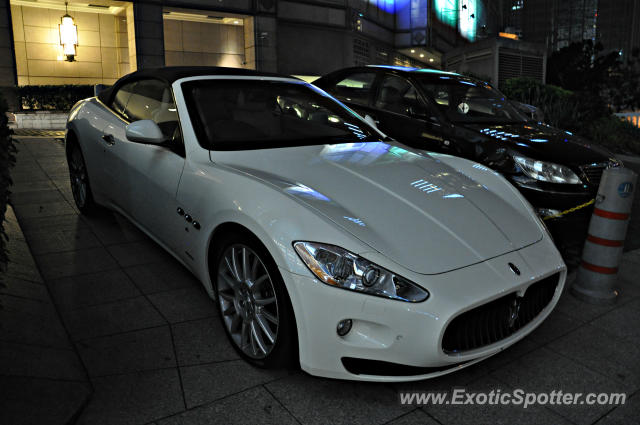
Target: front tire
column 80, row 187
column 253, row 302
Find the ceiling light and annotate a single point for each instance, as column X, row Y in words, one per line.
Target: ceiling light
column 430, row 59
column 421, row 55
column 413, row 50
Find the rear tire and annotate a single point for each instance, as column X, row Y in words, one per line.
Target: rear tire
column 253, row 302
column 80, row 186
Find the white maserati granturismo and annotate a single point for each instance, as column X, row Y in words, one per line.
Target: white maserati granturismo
column 321, row 240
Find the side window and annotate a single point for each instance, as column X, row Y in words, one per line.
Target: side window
column 355, row 88
column 121, row 98
column 152, row 100
column 145, row 100
column 398, row 95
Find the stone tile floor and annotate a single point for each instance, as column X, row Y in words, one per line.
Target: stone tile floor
column 154, row 351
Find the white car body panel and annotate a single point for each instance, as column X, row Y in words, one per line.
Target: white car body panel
column 454, row 238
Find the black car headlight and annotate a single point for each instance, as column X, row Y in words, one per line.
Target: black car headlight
column 338, row 267
column 546, row 171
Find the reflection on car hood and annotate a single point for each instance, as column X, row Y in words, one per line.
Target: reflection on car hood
column 413, row 209
column 543, row 142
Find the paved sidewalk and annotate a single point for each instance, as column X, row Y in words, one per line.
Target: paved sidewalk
column 155, row 352
column 41, row 377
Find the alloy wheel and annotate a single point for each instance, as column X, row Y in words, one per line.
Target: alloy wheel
column 248, row 302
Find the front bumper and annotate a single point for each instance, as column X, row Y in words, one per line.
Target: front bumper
column 550, row 196
column 410, row 334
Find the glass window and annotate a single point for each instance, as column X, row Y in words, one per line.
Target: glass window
column 152, row 100
column 398, row 95
column 467, row 100
column 355, row 88
column 121, row 98
column 249, row 114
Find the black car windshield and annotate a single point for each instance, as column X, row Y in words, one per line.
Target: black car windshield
column 464, row 100
column 259, row 114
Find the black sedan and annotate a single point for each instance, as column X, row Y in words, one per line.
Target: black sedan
column 447, row 112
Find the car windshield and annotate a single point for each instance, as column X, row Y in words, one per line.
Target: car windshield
column 469, row 101
column 260, row 114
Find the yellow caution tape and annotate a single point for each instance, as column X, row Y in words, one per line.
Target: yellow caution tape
column 570, row 210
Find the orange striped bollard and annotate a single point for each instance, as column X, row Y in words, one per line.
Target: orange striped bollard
column 598, row 271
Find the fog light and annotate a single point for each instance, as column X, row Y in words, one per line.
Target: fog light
column 344, row 326
column 547, row 212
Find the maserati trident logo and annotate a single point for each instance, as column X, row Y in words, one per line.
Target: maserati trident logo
column 514, row 269
column 514, row 310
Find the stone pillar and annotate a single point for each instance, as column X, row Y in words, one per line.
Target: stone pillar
column 149, row 35
column 249, row 43
column 7, row 59
column 131, row 38
column 266, row 43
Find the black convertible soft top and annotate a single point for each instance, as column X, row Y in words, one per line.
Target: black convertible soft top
column 169, row 74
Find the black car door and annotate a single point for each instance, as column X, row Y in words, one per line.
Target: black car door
column 405, row 116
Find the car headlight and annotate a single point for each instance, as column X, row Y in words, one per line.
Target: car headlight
column 338, row 267
column 546, row 171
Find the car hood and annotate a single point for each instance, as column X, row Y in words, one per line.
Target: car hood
column 410, row 207
column 542, row 142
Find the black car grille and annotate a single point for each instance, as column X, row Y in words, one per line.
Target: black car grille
column 593, row 173
column 494, row 321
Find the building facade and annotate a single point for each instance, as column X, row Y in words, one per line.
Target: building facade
column 110, row 38
column 619, row 28
column 558, row 23
column 300, row 37
column 498, row 59
column 114, row 38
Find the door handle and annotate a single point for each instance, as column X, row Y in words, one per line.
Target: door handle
column 108, row 138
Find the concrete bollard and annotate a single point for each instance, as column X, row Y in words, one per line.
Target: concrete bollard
column 598, row 271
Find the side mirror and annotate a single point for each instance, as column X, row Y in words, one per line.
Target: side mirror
column 145, row 131
column 530, row 111
column 371, row 121
column 420, row 114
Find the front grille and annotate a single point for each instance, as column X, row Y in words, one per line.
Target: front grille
column 593, row 173
column 494, row 321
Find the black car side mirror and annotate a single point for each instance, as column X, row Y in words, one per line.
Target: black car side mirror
column 420, row 114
